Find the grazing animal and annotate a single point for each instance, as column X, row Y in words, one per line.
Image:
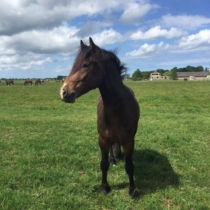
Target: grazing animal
column 117, row 111
column 38, row 81
column 185, row 79
column 9, row 82
column 28, row 81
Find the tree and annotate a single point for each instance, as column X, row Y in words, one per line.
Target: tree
column 137, row 75
column 145, row 74
column 190, row 68
column 161, row 71
column 167, row 73
column 199, row 68
column 173, row 73
column 59, row 77
column 127, row 76
column 206, row 69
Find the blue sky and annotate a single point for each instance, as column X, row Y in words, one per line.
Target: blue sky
column 39, row 39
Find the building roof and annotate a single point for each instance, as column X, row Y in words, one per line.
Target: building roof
column 195, row 74
column 155, row 73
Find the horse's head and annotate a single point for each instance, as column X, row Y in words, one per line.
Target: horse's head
column 86, row 73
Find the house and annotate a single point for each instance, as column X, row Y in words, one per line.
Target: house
column 192, row 75
column 157, row 76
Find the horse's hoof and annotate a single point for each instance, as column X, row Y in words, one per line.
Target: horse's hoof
column 133, row 193
column 105, row 190
column 112, row 162
column 119, row 157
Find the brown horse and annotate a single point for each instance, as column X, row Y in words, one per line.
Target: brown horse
column 28, row 81
column 9, row 82
column 38, row 81
column 117, row 111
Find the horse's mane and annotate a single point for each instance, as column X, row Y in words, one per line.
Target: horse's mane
column 106, row 55
column 112, row 54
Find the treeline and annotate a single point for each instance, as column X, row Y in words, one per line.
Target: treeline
column 142, row 75
column 13, row 78
column 59, row 77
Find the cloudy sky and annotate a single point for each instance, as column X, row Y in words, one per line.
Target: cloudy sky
column 40, row 38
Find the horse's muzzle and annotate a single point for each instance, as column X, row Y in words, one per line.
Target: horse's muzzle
column 66, row 96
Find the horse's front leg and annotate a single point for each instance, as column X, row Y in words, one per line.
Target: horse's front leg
column 105, row 189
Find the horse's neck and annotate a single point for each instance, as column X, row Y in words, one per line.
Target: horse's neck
column 112, row 91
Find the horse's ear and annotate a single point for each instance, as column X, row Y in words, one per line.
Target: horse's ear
column 82, row 44
column 93, row 47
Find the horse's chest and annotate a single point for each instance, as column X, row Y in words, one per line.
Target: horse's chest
column 112, row 126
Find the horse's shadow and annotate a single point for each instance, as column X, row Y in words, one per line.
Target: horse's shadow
column 153, row 171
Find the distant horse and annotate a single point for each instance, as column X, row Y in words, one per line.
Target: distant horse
column 28, row 81
column 185, row 79
column 117, row 112
column 38, row 81
column 9, row 82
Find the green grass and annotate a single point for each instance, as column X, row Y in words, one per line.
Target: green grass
column 49, row 154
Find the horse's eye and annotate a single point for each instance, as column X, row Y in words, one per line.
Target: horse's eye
column 85, row 65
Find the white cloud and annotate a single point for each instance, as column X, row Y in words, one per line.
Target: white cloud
column 199, row 41
column 135, row 10
column 17, row 17
column 20, row 15
column 107, row 37
column 156, row 32
column 34, row 64
column 31, row 49
column 28, row 61
column 184, row 21
column 58, row 40
column 147, row 50
column 91, row 27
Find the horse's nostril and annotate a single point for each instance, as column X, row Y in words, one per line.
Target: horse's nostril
column 64, row 93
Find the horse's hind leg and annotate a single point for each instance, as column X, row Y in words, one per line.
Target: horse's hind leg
column 115, row 153
column 129, row 166
column 117, row 150
column 111, row 157
column 104, row 165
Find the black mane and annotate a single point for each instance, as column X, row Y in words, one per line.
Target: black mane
column 112, row 54
column 107, row 55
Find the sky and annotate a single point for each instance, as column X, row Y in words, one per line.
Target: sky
column 40, row 38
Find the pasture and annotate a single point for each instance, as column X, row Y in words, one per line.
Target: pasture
column 50, row 157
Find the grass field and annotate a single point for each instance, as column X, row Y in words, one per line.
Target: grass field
column 49, row 155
